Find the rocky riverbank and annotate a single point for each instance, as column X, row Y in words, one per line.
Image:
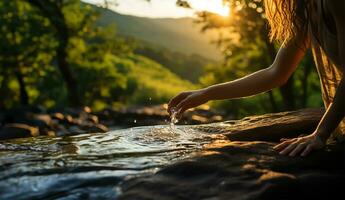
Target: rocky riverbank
column 226, row 160
column 245, row 170
column 246, row 166
column 35, row 121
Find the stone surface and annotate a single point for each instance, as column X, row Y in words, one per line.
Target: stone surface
column 16, row 130
column 248, row 169
column 55, row 123
column 269, row 127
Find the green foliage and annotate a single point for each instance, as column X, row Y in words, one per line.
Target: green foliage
column 246, row 49
column 25, row 50
column 106, row 70
column 40, row 39
column 189, row 67
column 128, row 80
column 154, row 83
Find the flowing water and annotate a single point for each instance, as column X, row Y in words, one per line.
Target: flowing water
column 173, row 119
column 91, row 166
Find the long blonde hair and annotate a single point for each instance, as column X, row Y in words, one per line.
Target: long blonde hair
column 287, row 18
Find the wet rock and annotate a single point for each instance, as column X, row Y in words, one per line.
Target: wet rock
column 69, row 119
column 269, row 127
column 75, row 130
column 87, row 109
column 249, row 169
column 50, row 133
column 93, row 119
column 199, row 119
column 42, row 121
column 94, row 128
column 54, row 123
column 58, row 116
column 18, row 130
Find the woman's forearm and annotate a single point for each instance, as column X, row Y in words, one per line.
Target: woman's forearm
column 334, row 114
column 252, row 84
column 285, row 63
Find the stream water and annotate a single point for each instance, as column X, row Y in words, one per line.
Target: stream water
column 91, row 166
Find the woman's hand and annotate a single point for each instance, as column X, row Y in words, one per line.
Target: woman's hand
column 187, row 100
column 300, row 146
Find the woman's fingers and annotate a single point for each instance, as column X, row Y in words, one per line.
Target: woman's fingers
column 307, row 150
column 299, row 146
column 176, row 100
column 289, row 148
column 283, row 139
column 298, row 149
column 284, row 144
column 182, row 107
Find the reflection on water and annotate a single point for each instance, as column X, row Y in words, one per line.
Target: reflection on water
column 92, row 165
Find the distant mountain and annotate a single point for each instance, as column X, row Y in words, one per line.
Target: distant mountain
column 181, row 35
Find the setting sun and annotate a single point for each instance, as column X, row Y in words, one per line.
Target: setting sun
column 215, row 6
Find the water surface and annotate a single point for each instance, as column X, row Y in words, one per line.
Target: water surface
column 91, row 166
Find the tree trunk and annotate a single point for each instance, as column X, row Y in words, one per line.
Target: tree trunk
column 287, row 92
column 71, row 83
column 24, row 97
column 307, row 69
column 53, row 11
column 306, row 72
column 3, row 85
column 273, row 102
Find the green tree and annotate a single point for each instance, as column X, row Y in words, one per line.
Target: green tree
column 244, row 41
column 24, row 45
column 64, row 28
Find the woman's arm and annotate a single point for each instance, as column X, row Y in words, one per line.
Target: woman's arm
column 287, row 59
column 336, row 111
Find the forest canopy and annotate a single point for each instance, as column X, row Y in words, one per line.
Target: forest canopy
column 56, row 53
column 53, row 54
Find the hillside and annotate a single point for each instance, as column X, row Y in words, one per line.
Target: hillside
column 181, row 35
column 189, row 67
column 147, row 81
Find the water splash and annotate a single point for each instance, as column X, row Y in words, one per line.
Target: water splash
column 173, row 119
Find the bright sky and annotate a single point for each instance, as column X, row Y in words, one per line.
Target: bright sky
column 165, row 8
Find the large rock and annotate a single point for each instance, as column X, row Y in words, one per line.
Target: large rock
column 229, row 169
column 245, row 170
column 69, row 121
column 16, row 130
column 269, row 127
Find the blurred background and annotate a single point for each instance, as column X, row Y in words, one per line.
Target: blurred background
column 108, row 54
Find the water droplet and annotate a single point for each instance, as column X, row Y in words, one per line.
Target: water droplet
column 173, row 119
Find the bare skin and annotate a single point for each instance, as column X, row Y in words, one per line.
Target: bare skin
column 287, row 59
column 336, row 111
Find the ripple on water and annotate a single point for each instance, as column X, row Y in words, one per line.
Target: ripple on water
column 90, row 164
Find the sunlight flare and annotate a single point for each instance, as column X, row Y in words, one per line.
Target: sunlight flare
column 215, row 6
